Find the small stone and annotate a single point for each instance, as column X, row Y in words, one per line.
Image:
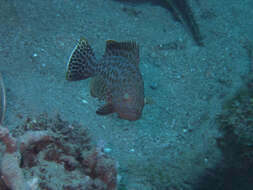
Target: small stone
column 132, row 150
column 185, row 130
column 84, row 101
column 153, row 85
column 153, row 55
column 107, row 150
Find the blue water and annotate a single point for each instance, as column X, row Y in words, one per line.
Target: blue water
column 196, row 60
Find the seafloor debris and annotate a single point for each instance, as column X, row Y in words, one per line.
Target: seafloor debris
column 2, row 99
column 182, row 12
column 64, row 160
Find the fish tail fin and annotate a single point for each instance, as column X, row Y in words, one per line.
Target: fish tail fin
column 82, row 62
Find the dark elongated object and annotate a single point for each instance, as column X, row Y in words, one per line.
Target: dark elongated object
column 2, row 99
column 182, row 12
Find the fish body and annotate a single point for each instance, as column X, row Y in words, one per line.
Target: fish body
column 116, row 78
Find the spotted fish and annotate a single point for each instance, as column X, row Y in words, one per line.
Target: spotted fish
column 116, row 77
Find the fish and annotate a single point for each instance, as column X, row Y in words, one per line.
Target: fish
column 115, row 78
column 2, row 99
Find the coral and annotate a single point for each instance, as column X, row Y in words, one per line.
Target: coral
column 11, row 173
column 68, row 148
column 99, row 166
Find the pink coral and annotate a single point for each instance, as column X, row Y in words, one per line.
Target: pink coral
column 70, row 148
column 99, row 166
column 11, row 173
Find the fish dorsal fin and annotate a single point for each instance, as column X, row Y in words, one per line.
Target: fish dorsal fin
column 105, row 109
column 128, row 49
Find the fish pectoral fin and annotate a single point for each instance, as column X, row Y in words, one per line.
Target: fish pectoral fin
column 105, row 109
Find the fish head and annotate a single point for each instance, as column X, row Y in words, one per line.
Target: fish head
column 130, row 105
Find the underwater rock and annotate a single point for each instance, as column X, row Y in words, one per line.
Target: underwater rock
column 235, row 170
